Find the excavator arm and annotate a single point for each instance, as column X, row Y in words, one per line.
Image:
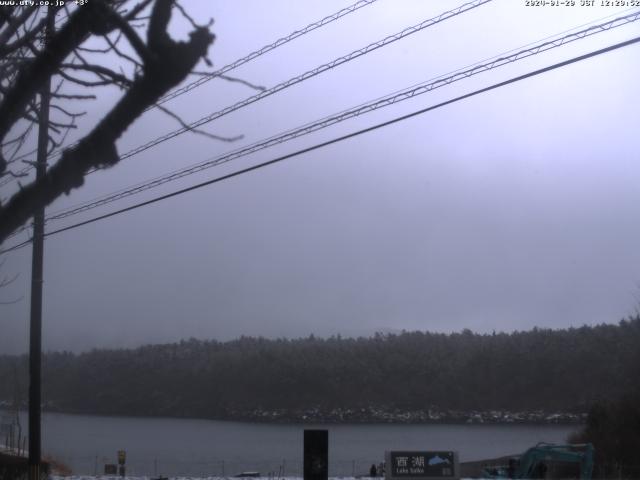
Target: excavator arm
column 548, row 461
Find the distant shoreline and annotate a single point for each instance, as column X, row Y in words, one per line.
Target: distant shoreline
column 397, row 421
column 361, row 418
column 376, row 415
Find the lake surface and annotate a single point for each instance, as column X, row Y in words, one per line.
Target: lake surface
column 205, row 447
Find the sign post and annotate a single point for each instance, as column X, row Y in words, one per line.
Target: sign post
column 422, row 465
column 122, row 458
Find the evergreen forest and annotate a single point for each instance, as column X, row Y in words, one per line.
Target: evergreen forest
column 566, row 370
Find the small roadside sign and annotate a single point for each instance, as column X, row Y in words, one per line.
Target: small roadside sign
column 422, row 465
column 122, row 457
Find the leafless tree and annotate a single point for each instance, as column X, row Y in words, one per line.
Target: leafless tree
column 147, row 70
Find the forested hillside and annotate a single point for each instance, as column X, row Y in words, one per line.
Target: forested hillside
column 549, row 370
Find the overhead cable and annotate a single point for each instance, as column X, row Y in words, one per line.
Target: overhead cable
column 309, row 74
column 341, row 138
column 348, row 114
column 304, row 76
column 227, row 68
column 267, row 48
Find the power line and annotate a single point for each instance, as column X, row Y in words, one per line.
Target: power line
column 267, row 48
column 227, row 68
column 311, row 73
column 344, row 137
column 348, row 114
column 307, row 75
column 359, row 110
column 443, row 80
column 18, row 246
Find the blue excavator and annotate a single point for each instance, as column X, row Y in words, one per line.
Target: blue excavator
column 547, row 461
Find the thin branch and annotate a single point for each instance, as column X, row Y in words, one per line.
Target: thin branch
column 22, row 42
column 84, row 83
column 168, row 64
column 114, row 46
column 198, row 131
column 8, row 281
column 137, row 9
column 60, row 125
column 15, row 175
column 21, row 143
column 94, row 50
column 66, row 112
column 188, row 17
column 132, row 36
column 32, row 76
column 101, row 71
column 6, row 143
column 11, row 302
column 27, row 154
column 64, row 136
column 244, row 82
column 73, row 97
column 14, row 24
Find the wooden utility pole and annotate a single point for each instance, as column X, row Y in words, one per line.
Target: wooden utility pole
column 35, row 336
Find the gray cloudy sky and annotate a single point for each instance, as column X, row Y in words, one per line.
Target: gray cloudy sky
column 513, row 209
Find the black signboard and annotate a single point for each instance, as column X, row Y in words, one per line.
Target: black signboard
column 424, row 464
column 316, row 454
column 110, row 469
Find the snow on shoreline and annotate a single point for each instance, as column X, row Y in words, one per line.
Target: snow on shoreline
column 180, row 477
column 187, row 477
column 183, row 477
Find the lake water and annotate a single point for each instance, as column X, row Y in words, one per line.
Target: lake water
column 205, row 447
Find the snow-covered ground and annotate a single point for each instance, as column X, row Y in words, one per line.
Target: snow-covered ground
column 111, row 477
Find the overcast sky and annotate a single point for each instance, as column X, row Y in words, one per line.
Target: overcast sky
column 513, row 209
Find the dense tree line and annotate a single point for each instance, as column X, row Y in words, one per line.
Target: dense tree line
column 613, row 427
column 551, row 370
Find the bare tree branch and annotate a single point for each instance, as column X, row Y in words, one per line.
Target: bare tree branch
column 165, row 64
column 114, row 46
column 23, row 41
column 11, row 302
column 84, row 83
column 13, row 24
column 114, row 77
column 137, row 9
column 33, row 75
column 244, row 82
column 133, row 38
column 8, row 280
column 196, row 130
column 73, row 97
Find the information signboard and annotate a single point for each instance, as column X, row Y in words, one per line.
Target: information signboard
column 422, row 464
